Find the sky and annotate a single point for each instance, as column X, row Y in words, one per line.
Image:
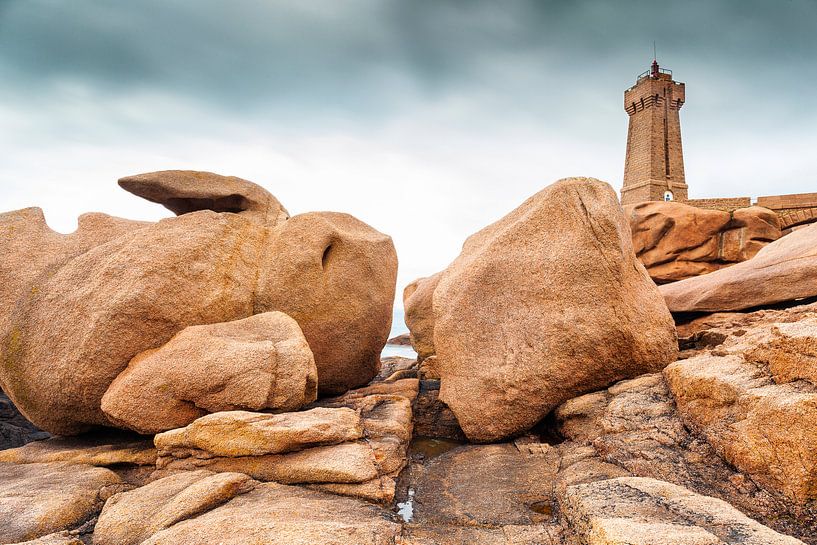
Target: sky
column 427, row 119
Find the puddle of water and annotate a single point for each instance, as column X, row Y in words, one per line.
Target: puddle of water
column 406, row 508
column 430, row 447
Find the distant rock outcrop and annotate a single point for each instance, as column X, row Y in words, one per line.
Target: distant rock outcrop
column 675, row 241
column 419, row 314
column 400, row 340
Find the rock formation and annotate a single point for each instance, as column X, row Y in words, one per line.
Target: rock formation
column 87, row 303
column 15, row 430
column 675, row 241
column 184, row 191
column 38, row 499
column 639, row 511
column 130, row 518
column 545, row 304
column 260, row 362
column 336, row 276
column 109, row 450
column 240, row 433
column 782, row 271
column 755, row 400
column 228, row 508
column 218, row 327
column 419, row 314
column 354, row 445
column 400, row 340
column 635, row 425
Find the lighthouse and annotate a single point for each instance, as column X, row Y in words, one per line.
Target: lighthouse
column 654, row 165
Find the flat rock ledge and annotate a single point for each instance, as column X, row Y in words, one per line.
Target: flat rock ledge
column 353, row 445
column 40, row 499
column 642, row 511
column 192, row 508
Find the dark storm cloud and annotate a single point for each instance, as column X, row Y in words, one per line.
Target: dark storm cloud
column 427, row 119
column 364, row 56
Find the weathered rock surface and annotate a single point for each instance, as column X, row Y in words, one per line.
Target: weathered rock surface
column 275, row 514
column 343, row 463
column 185, row 191
column 129, row 518
column 675, row 240
column 336, row 276
column 510, row 534
column 59, row 538
column 711, row 330
column 432, row 417
column 790, row 351
column 782, row 271
column 101, row 450
column 40, row 499
column 260, row 362
column 32, row 251
column 241, row 433
column 635, row 425
column 15, row 430
column 80, row 330
column 31, row 248
column 419, row 313
column 386, row 408
column 547, row 303
column 87, row 303
column 352, row 445
column 498, row 485
column 754, row 400
column 641, row 511
column 396, row 367
column 400, row 387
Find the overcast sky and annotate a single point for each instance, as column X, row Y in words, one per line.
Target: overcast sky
column 427, row 119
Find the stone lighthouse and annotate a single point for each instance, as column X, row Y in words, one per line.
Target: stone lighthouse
column 654, row 167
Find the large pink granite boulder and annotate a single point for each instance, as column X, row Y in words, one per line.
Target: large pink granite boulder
column 675, row 241
column 545, row 304
column 85, row 304
column 785, row 270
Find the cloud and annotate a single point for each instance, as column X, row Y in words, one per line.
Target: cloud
column 428, row 119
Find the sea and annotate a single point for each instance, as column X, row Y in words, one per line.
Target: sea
column 398, row 327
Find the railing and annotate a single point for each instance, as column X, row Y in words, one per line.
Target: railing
column 646, row 73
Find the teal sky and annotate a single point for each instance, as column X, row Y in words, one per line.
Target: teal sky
column 426, row 119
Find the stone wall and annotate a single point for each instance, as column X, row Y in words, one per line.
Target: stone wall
column 794, row 209
column 726, row 204
column 783, row 202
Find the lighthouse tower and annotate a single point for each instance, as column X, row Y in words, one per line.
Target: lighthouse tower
column 654, row 166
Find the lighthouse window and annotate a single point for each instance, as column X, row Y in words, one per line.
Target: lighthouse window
column 668, row 196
